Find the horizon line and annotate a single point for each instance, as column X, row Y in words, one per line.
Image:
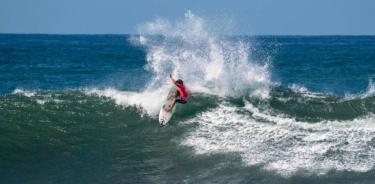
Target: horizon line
column 136, row 34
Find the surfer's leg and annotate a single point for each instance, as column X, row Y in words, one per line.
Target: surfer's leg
column 176, row 96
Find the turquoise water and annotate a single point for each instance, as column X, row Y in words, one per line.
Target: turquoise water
column 263, row 109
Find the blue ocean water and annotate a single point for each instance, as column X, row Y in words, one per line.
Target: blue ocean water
column 263, row 109
column 331, row 64
column 58, row 62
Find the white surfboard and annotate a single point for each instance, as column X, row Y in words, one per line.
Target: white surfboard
column 167, row 111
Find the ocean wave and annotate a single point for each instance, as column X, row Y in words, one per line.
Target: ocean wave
column 368, row 93
column 139, row 104
column 298, row 103
column 305, row 92
column 40, row 97
column 24, row 92
column 262, row 134
column 148, row 101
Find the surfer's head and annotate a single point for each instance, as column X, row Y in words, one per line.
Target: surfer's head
column 179, row 81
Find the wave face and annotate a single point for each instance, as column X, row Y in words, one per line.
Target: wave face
column 262, row 109
column 256, row 135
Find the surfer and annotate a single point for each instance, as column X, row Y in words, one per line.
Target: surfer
column 181, row 94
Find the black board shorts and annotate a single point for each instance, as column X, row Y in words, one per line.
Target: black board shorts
column 180, row 100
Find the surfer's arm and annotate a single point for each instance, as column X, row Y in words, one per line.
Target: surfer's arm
column 172, row 79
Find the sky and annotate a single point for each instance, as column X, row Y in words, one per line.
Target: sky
column 260, row 17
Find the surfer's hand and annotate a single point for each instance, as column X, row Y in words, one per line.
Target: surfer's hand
column 170, row 76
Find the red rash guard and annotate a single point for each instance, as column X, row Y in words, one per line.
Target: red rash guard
column 183, row 93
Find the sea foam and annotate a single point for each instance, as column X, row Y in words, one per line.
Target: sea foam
column 206, row 62
column 282, row 144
